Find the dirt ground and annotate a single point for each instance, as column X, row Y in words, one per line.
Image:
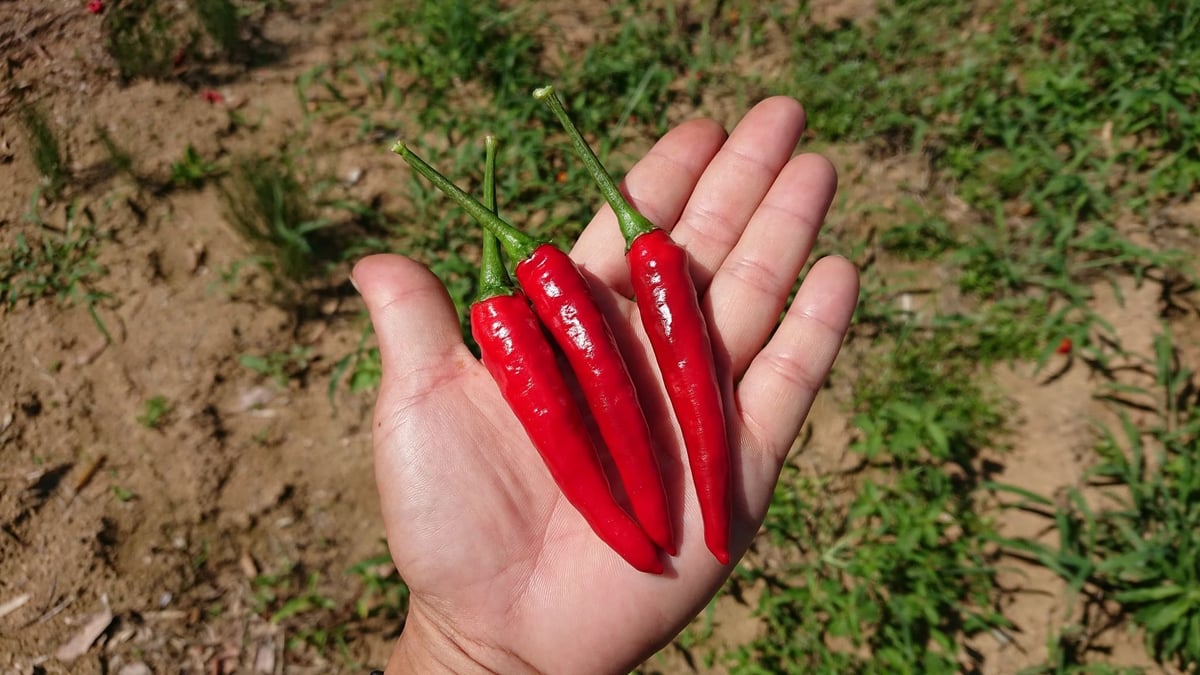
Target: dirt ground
column 224, row 490
column 151, row 538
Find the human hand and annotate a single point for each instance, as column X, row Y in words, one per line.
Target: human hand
column 504, row 574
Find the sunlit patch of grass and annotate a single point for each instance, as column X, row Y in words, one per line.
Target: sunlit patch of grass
column 1138, row 547
column 192, row 170
column 155, row 411
column 56, row 261
column 896, row 573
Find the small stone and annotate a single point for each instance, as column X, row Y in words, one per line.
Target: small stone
column 135, row 668
column 254, row 398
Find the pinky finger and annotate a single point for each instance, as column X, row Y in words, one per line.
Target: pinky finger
column 782, row 380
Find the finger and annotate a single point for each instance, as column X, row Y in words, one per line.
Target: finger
column 751, row 287
column 658, row 186
column 734, row 183
column 415, row 322
column 783, row 379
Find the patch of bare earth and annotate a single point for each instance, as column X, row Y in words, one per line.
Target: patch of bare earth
column 125, row 544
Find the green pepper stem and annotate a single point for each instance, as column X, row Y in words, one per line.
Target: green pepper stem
column 517, row 244
column 632, row 223
column 493, row 278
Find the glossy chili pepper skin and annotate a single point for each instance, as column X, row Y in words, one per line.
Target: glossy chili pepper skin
column 670, row 310
column 522, row 362
column 563, row 301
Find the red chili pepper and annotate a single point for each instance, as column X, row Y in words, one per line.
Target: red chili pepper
column 562, row 299
column 521, row 360
column 670, row 309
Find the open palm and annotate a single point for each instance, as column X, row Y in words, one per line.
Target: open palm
column 505, row 575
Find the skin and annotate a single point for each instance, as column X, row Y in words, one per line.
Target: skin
column 505, row 575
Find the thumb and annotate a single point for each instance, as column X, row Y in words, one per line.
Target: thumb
column 414, row 318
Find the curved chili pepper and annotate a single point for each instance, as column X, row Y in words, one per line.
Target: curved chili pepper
column 562, row 300
column 670, row 309
column 522, row 362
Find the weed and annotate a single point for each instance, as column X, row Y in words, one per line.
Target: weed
column 192, row 170
column 899, row 567
column 384, row 593
column 268, row 205
column 628, row 75
column 280, row 367
column 139, row 37
column 1139, row 548
column 154, row 412
column 449, row 43
column 363, row 365
column 222, row 22
column 200, row 559
column 59, row 262
column 922, row 238
column 308, row 600
column 122, row 494
column 288, row 593
column 47, row 154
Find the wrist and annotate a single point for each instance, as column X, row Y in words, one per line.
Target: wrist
column 427, row 647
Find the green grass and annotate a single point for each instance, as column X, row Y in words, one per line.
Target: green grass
column 155, row 411
column 142, row 39
column 55, row 261
column 1138, row 547
column 280, row 367
column 362, row 369
column 192, row 170
column 267, row 202
column 45, row 150
column 303, row 605
column 193, row 42
column 222, row 22
column 893, row 574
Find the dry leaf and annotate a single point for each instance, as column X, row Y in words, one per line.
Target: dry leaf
column 82, row 641
column 264, row 659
